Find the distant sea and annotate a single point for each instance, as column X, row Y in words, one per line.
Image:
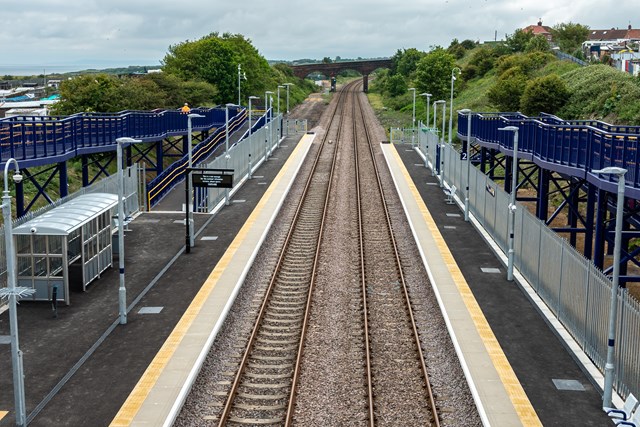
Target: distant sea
column 34, row 70
column 31, row 70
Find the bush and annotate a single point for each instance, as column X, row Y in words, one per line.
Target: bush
column 545, row 94
column 599, row 91
column 508, row 90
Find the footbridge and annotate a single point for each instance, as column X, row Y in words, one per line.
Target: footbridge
column 48, row 143
column 333, row 68
column 556, row 160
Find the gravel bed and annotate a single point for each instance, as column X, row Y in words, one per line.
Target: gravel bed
column 332, row 386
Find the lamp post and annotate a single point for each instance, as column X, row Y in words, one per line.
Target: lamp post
column 192, row 238
column 287, row 85
column 436, row 161
column 413, row 116
column 609, row 368
column 453, row 79
column 122, row 290
column 266, row 120
column 13, row 293
column 239, row 74
column 226, row 147
column 428, row 95
column 512, row 200
column 467, row 113
column 251, row 98
column 278, row 114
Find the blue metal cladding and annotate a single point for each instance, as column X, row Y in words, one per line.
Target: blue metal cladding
column 575, row 146
column 36, row 141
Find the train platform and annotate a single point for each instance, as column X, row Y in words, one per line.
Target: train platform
column 519, row 370
column 81, row 366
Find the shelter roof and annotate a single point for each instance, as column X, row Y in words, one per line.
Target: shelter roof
column 69, row 216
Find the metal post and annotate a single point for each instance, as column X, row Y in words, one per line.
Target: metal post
column 13, row 293
column 453, row 79
column 122, row 290
column 189, row 201
column 444, row 113
column 609, row 368
column 413, row 116
column 267, row 124
column 278, row 116
column 512, row 201
column 239, row 71
column 467, row 112
column 428, row 95
column 226, row 148
column 251, row 98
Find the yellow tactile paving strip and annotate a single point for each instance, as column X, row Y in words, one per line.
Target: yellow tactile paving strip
column 449, row 281
column 3, row 414
column 201, row 316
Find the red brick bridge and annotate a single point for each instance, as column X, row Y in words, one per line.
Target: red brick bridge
column 333, row 68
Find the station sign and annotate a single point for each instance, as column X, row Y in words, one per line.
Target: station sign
column 212, row 178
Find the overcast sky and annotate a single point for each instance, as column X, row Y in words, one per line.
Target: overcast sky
column 63, row 35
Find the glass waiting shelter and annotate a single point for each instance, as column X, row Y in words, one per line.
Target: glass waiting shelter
column 66, row 247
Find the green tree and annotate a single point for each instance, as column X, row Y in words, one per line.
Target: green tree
column 409, row 61
column 517, row 42
column 86, row 93
column 326, row 60
column 544, row 94
column 569, row 36
column 433, row 74
column 538, row 44
column 396, row 85
column 508, row 90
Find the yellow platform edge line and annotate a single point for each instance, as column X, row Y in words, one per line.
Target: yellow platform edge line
column 136, row 398
column 516, row 393
column 3, row 414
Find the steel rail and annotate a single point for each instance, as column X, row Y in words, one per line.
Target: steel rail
column 272, row 284
column 407, row 298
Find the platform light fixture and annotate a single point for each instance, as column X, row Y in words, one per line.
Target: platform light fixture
column 13, row 294
column 467, row 113
column 122, row 290
column 428, row 95
column 436, row 161
column 609, row 368
column 278, row 113
column 189, row 201
column 512, row 200
column 413, row 116
column 226, row 146
column 454, row 71
column 287, row 85
column 251, row 98
column 266, row 126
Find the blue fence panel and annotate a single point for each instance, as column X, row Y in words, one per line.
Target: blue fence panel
column 581, row 144
column 41, row 140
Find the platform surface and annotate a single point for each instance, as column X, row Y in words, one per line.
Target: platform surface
column 530, row 369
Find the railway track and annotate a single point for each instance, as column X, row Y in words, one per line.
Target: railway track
column 397, row 377
column 263, row 389
column 265, row 376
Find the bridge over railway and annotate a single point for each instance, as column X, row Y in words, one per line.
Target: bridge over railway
column 333, row 68
column 556, row 161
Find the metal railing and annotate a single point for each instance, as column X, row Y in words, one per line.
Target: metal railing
column 575, row 290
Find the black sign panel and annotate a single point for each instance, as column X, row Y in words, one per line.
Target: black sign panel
column 212, row 180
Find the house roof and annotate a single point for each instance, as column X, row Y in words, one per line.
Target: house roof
column 538, row 29
column 612, row 34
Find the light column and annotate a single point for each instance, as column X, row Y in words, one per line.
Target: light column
column 413, row 116
column 13, row 294
column 609, row 367
column 512, row 200
column 453, row 79
column 251, row 98
column 192, row 239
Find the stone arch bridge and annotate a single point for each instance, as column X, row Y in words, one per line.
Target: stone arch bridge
column 333, row 68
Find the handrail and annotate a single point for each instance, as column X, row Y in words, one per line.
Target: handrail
column 35, row 141
column 575, row 147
